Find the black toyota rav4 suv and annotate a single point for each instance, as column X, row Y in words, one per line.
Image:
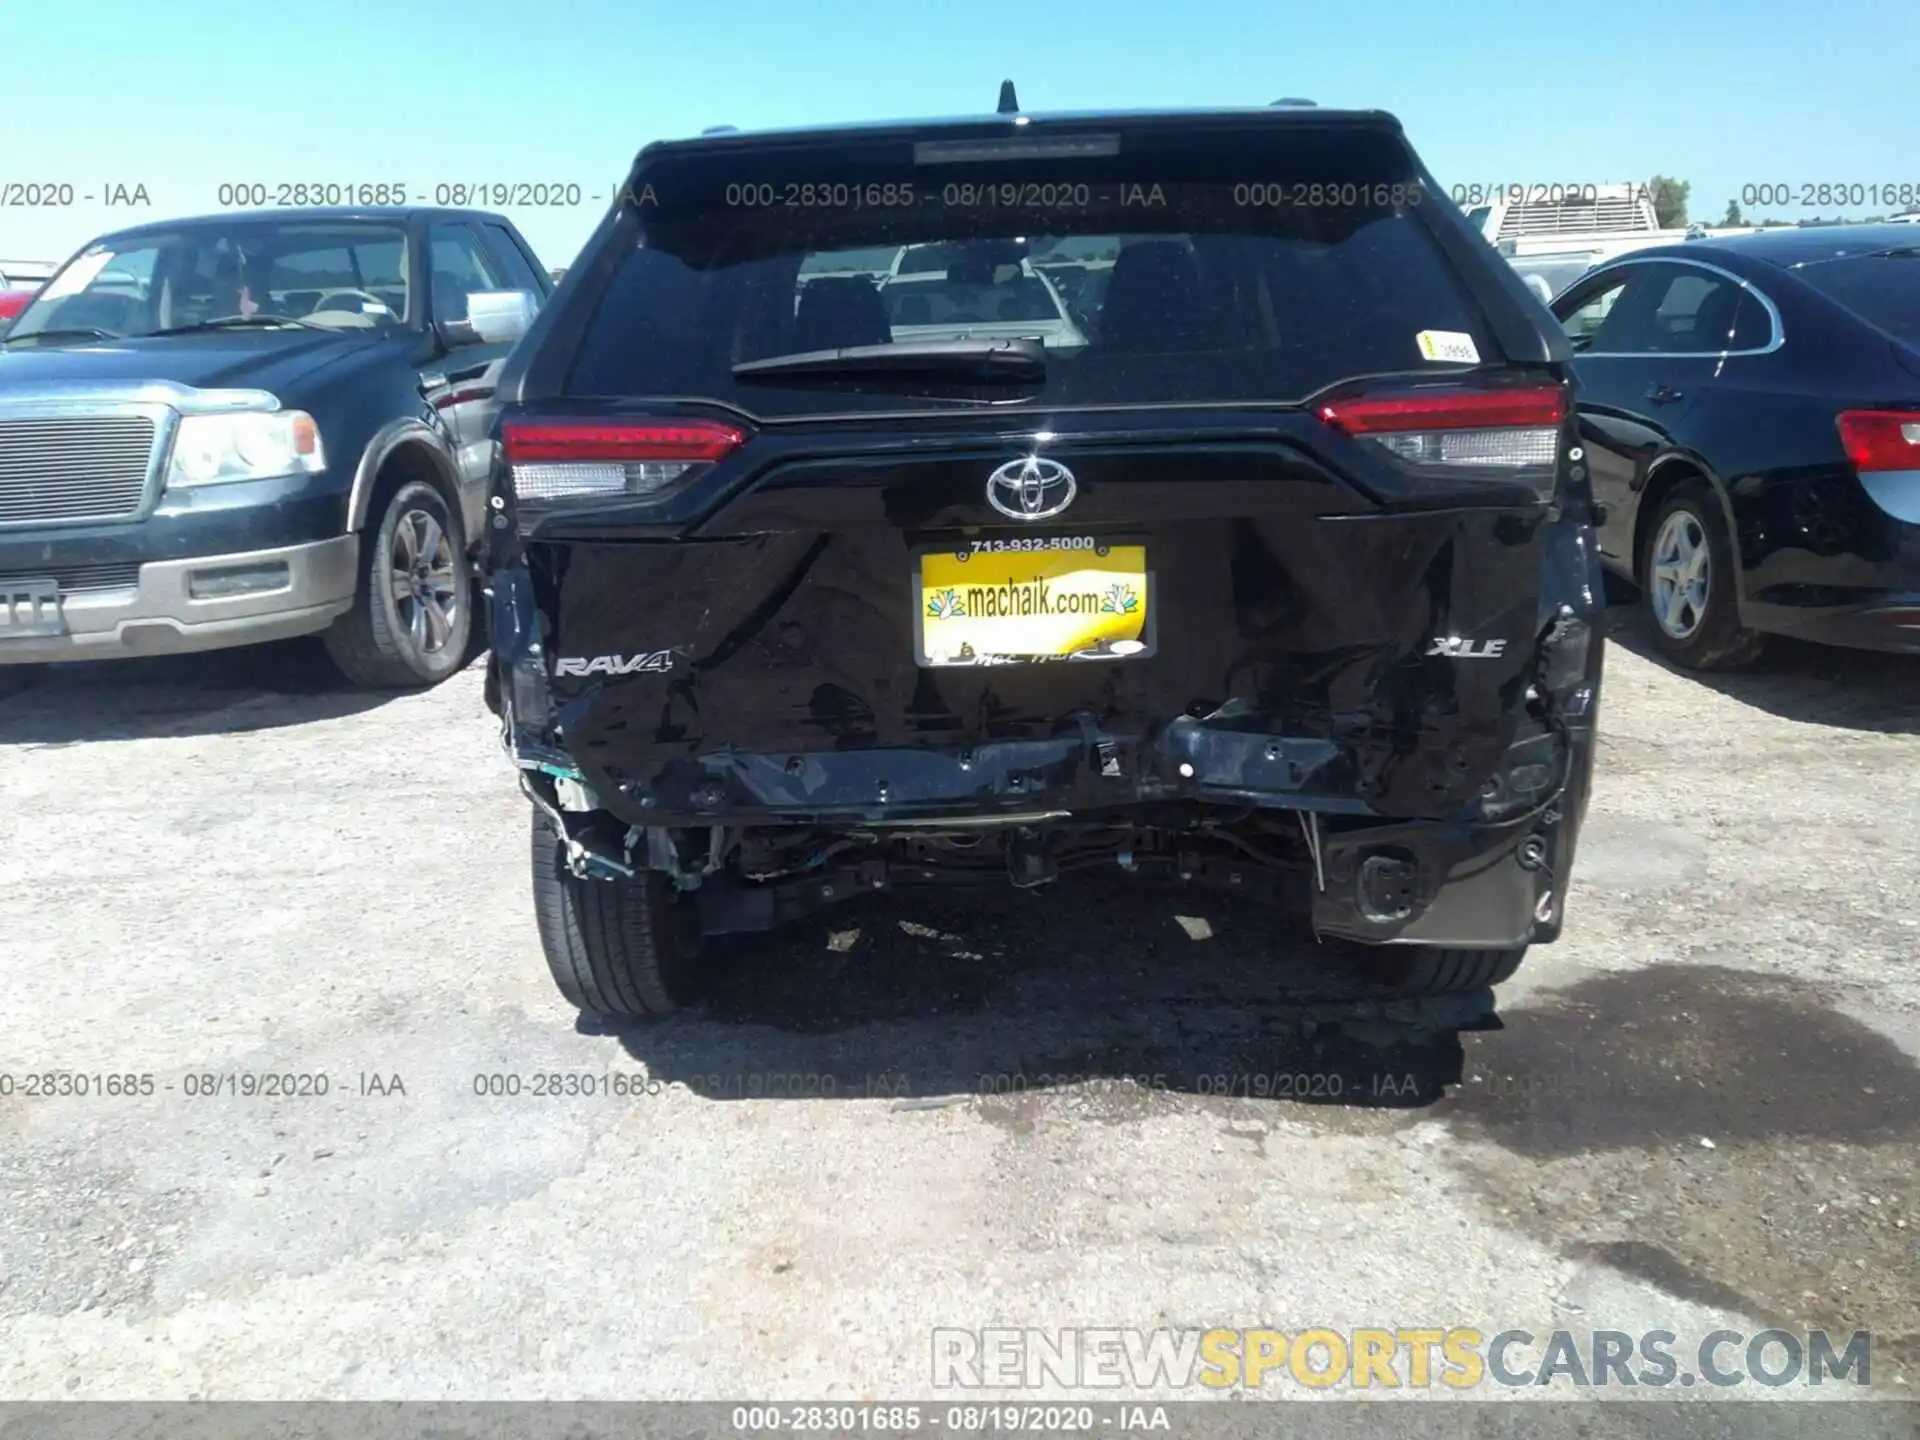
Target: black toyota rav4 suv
column 1277, row 574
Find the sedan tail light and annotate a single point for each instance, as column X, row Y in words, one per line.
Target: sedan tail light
column 1884, row 446
column 567, row 459
column 1881, row 439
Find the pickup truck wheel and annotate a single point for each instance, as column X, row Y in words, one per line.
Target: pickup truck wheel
column 1434, row 970
column 1687, row 584
column 623, row 949
column 413, row 613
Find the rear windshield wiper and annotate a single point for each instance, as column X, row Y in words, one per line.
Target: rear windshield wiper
column 68, row 332
column 961, row 359
column 236, row 322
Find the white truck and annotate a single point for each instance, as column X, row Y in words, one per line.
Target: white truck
column 1553, row 234
column 26, row 274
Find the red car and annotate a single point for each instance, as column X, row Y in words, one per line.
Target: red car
column 12, row 302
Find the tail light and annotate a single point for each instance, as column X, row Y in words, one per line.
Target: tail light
column 575, row 459
column 1884, row 446
column 12, row 302
column 1504, row 435
column 1881, row 439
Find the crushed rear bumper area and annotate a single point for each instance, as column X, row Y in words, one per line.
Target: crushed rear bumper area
column 1429, row 882
column 1406, row 763
column 1251, row 814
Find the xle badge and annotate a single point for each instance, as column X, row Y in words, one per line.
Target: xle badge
column 650, row 660
column 1458, row 647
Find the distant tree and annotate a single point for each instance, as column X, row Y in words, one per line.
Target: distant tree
column 1732, row 217
column 1669, row 198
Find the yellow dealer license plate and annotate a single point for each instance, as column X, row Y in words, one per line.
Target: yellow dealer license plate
column 1028, row 601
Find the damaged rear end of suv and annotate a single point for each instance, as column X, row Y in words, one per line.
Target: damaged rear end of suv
column 1275, row 572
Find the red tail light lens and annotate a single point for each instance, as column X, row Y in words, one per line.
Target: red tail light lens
column 566, row 459
column 619, row 440
column 12, row 302
column 1881, row 439
column 1447, row 410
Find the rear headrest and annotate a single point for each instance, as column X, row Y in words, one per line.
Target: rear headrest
column 1153, row 299
column 1713, row 321
column 840, row 313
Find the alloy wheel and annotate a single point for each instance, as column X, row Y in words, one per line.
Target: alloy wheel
column 425, row 578
column 1680, row 574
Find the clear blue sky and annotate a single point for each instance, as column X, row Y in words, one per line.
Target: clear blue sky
column 183, row 97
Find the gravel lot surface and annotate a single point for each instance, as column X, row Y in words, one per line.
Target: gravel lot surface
column 1700, row 1109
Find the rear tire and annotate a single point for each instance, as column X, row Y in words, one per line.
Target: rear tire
column 412, row 616
column 623, row 949
column 1695, row 617
column 1434, row 970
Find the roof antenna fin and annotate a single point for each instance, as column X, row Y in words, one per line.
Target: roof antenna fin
column 1009, row 103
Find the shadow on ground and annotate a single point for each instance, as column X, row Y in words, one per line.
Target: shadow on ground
column 1722, row 1136
column 1813, row 684
column 929, row 997
column 1718, row 1134
column 255, row 687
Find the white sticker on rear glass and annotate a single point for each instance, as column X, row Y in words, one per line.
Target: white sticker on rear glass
column 1448, row 345
column 77, row 276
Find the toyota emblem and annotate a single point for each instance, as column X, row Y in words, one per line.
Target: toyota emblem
column 1031, row 489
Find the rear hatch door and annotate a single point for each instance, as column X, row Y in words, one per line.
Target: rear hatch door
column 1276, row 526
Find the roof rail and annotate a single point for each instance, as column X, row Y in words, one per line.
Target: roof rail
column 1294, row 100
column 1009, row 103
column 720, row 130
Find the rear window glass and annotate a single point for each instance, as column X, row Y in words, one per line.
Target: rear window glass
column 956, row 301
column 1883, row 290
column 1256, row 267
column 877, row 260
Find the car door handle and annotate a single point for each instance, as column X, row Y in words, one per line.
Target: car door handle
column 1662, row 394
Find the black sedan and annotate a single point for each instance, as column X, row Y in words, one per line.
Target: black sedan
column 1750, row 412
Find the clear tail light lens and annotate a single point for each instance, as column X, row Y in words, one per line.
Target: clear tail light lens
column 1474, row 447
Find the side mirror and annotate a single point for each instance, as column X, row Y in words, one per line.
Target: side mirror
column 494, row 317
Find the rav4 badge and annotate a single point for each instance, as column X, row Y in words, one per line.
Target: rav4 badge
column 653, row 660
